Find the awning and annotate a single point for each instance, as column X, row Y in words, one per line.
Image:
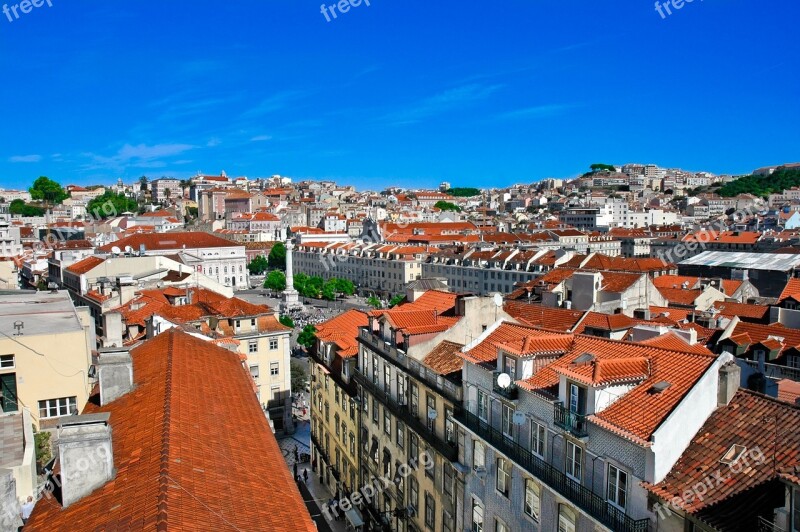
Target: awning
column 354, row 516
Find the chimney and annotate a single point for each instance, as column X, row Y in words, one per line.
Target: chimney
column 85, row 455
column 114, row 373
column 112, row 329
column 730, row 376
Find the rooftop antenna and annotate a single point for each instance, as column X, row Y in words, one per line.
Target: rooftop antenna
column 19, row 325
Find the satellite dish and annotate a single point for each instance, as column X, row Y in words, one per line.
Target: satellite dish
column 129, row 249
column 498, row 299
column 432, row 414
column 519, row 418
column 115, row 250
column 504, row 380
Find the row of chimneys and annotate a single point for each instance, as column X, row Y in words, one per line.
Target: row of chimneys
column 85, row 446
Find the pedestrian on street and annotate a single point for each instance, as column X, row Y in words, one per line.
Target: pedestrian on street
column 296, row 477
column 305, row 475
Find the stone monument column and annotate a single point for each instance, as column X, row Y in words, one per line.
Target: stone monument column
column 289, row 266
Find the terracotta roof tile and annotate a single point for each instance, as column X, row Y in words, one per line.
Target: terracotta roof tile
column 178, row 451
column 443, row 359
column 343, row 331
column 745, row 422
column 85, row 265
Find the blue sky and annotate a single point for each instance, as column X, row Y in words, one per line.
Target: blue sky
column 406, row 93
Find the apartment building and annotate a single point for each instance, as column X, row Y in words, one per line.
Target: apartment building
column 46, row 348
column 409, row 386
column 220, row 259
column 335, row 403
column 254, row 331
column 165, row 189
column 558, row 430
column 380, row 269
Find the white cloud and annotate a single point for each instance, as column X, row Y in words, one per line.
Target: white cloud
column 25, row 158
column 261, row 138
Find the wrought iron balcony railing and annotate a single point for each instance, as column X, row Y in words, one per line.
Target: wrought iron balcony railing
column 589, row 501
column 570, row 421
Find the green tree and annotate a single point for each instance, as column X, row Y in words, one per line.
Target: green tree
column 374, row 302
column 329, row 290
column 276, row 280
column 286, row 320
column 143, row 183
column 47, row 190
column 344, row 286
column 23, row 209
column 277, row 256
column 447, row 206
column 167, row 193
column 110, row 204
column 464, row 192
column 258, row 265
column 396, row 300
column 43, row 448
column 308, row 336
column 299, row 375
column 600, row 167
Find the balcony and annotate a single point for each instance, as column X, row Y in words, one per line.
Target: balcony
column 588, row 501
column 765, row 525
column 449, row 451
column 511, row 392
column 570, row 421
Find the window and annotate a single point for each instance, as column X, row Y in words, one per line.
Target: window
column 6, row 361
column 253, row 322
column 617, row 487
column 510, row 366
column 63, row 406
column 566, row 519
column 574, row 460
column 327, row 411
column 401, row 390
column 508, row 421
column 477, row 516
column 273, row 344
column 431, row 402
column 447, row 522
column 414, row 399
column 503, row 476
column 483, row 405
column 387, row 378
column 449, row 427
column 238, row 322
column 531, row 499
column 375, row 410
column 538, row 437
column 447, row 479
column 374, row 370
column 387, row 421
column 401, row 433
column 430, row 472
column 254, row 371
column 413, row 447
column 274, row 368
column 499, row 525
column 430, row 511
column 252, row 346
column 413, row 492
column 336, row 423
column 478, row 454
column 352, row 444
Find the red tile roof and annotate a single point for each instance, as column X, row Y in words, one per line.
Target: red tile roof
column 343, row 331
column 170, row 241
column 676, row 342
column 85, row 265
column 743, row 310
column 444, row 359
column 792, row 289
column 178, row 451
column 749, row 420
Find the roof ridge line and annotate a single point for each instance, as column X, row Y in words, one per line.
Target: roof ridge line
column 163, row 480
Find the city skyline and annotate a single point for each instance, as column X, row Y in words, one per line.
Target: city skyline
column 393, row 95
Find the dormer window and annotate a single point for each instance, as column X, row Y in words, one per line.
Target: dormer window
column 510, row 366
